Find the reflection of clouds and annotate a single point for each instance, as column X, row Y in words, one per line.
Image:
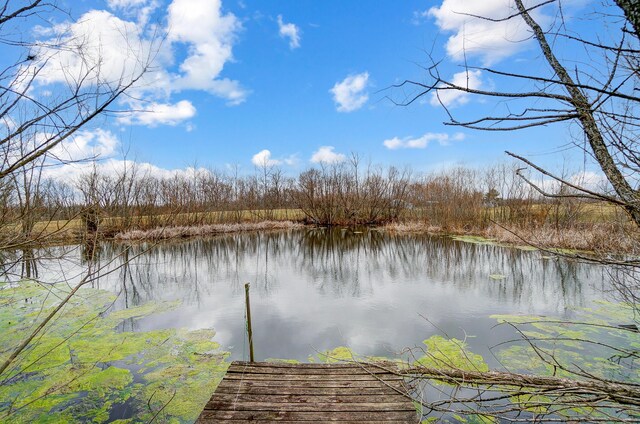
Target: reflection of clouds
column 322, row 289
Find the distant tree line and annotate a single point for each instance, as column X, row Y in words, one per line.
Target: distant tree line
column 348, row 193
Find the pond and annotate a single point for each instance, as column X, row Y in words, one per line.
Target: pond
column 316, row 289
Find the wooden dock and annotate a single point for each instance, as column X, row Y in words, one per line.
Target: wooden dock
column 348, row 393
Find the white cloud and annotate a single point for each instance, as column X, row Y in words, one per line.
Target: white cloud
column 419, row 16
column 325, row 154
column 422, row 142
column 292, row 160
column 155, row 114
column 454, row 97
column 263, row 158
column 125, row 4
column 86, row 144
column 290, row 31
column 71, row 172
column 474, row 36
column 99, row 47
column 349, row 94
column 590, row 180
column 102, row 48
column 209, row 36
column 141, row 9
column 594, row 181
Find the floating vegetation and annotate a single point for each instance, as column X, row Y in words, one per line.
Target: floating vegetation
column 601, row 340
column 491, row 242
column 497, row 277
column 443, row 353
column 82, row 369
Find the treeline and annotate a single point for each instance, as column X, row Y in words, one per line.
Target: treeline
column 348, row 193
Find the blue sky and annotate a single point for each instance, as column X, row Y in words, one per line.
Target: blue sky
column 297, row 83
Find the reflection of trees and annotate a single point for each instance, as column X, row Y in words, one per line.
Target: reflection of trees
column 337, row 259
column 340, row 262
column 29, row 264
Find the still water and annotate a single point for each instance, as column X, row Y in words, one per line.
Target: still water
column 315, row 289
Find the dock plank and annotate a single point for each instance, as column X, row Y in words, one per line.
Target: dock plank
column 319, row 393
column 211, row 416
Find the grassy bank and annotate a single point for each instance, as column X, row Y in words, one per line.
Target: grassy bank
column 166, row 233
column 594, row 237
column 597, row 227
column 74, row 230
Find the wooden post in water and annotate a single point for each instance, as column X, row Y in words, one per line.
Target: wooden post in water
column 246, row 296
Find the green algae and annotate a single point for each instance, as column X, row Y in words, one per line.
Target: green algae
column 282, row 361
column 344, row 354
column 491, row 242
column 82, row 369
column 592, row 340
column 452, row 353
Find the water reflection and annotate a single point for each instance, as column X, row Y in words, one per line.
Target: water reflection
column 318, row 289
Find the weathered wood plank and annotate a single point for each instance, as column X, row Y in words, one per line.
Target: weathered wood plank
column 314, row 399
column 351, row 370
column 252, row 421
column 350, row 421
column 304, row 393
column 240, row 405
column 306, row 398
column 380, row 416
column 316, row 383
column 288, row 390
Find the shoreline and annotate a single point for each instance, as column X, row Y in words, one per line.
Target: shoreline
column 183, row 231
column 600, row 238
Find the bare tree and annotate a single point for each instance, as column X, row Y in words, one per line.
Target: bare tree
column 600, row 96
column 598, row 93
column 34, row 127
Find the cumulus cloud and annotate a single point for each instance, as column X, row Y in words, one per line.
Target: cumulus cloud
column 155, row 114
column 141, row 9
column 422, row 142
column 473, row 36
column 263, row 158
column 326, row 155
column 71, row 172
column 290, row 31
column 102, row 48
column 86, row 144
column 452, row 97
column 126, row 4
column 209, row 35
column 349, row 94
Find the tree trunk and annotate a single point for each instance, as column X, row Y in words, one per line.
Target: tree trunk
column 631, row 10
column 587, row 119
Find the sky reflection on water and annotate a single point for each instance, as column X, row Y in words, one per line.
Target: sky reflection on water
column 313, row 290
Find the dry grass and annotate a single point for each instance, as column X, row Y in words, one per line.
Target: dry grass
column 74, row 228
column 413, row 227
column 597, row 237
column 166, row 233
column 594, row 237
